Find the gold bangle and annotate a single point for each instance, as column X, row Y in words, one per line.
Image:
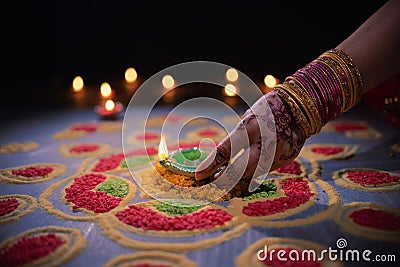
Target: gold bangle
column 295, row 109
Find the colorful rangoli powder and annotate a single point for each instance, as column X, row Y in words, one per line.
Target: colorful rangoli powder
column 80, row 194
column 327, row 150
column 83, row 148
column 174, row 208
column 87, row 127
column 8, row 205
column 33, row 171
column 378, row 219
column 28, row 249
column 374, row 178
column 292, row 167
column 148, row 219
column 297, row 192
column 344, row 127
column 114, row 161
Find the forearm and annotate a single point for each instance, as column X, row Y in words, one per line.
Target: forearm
column 375, row 45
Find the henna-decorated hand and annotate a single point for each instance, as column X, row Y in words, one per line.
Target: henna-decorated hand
column 290, row 138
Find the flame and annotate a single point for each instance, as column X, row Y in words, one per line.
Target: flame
column 105, row 89
column 130, row 75
column 232, row 75
column 109, row 105
column 77, row 84
column 230, row 90
column 168, row 81
column 270, row 81
column 162, row 149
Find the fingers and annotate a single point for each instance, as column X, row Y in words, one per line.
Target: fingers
column 245, row 133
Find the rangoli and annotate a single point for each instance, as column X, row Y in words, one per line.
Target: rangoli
column 125, row 225
column 13, row 207
column 44, row 246
column 367, row 179
column 32, row 173
column 370, row 220
column 353, row 129
column 328, row 151
column 80, row 150
column 119, row 162
column 87, row 196
column 15, row 147
column 81, row 129
column 151, row 259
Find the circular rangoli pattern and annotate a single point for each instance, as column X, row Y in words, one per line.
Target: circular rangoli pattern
column 87, row 196
column 155, row 218
column 370, row 220
column 45, row 246
column 80, row 150
column 32, row 173
column 328, row 151
column 150, row 259
column 13, row 207
column 16, row 147
column 367, row 179
column 353, row 129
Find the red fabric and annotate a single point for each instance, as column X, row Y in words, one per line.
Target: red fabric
column 28, row 249
column 378, row 219
column 385, row 99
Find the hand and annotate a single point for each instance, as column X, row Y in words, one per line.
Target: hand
column 290, row 138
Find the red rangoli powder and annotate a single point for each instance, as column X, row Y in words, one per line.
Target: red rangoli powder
column 344, row 127
column 207, row 132
column 148, row 265
column 114, row 161
column 28, row 249
column 297, row 192
column 80, row 194
column 327, row 150
column 88, row 127
column 292, row 168
column 148, row 136
column 371, row 177
column 33, row 171
column 148, row 219
column 8, row 205
column 378, row 219
column 83, row 148
column 290, row 253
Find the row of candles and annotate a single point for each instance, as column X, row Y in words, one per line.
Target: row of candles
column 110, row 109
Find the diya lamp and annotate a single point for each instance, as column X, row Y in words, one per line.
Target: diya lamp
column 110, row 110
column 183, row 161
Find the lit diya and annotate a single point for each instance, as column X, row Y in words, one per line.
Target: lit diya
column 183, row 161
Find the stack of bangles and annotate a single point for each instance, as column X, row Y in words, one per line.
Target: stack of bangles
column 323, row 89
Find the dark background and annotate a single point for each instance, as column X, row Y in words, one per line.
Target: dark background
column 47, row 43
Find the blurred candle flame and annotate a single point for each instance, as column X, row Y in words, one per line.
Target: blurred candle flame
column 77, row 84
column 130, row 75
column 232, row 75
column 105, row 90
column 109, row 105
column 168, row 81
column 230, row 90
column 162, row 149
